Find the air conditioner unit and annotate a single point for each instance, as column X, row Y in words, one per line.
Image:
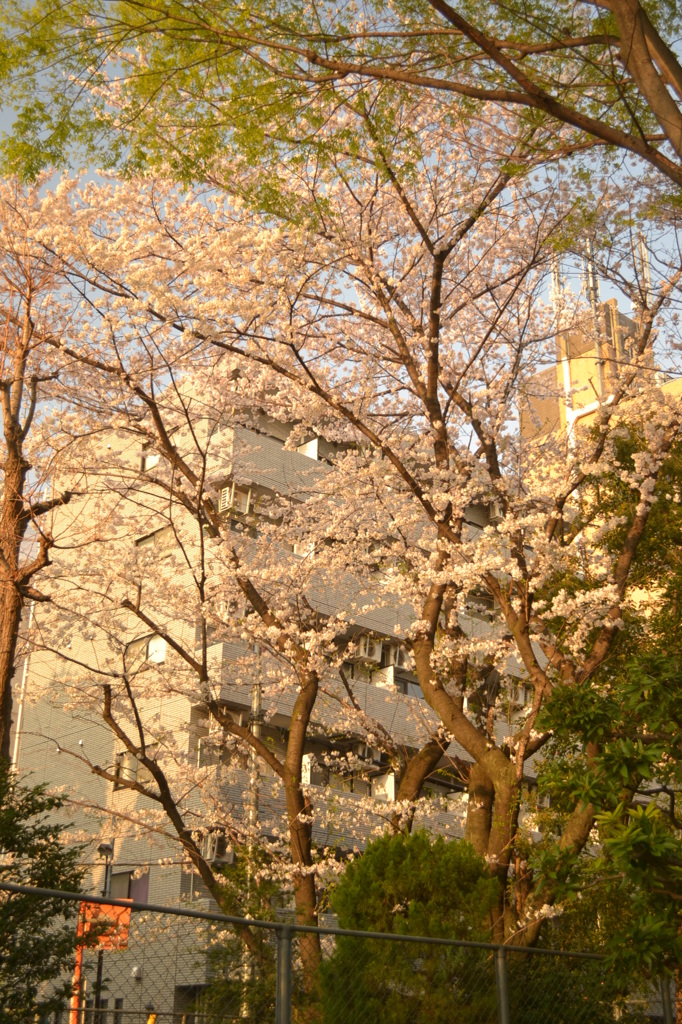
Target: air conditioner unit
column 309, row 448
column 367, row 753
column 235, row 497
column 383, row 787
column 127, row 766
column 362, row 750
column 303, row 548
column 369, row 649
column 312, row 774
column 214, row 849
column 520, row 695
column 398, row 657
column 225, row 499
column 241, row 718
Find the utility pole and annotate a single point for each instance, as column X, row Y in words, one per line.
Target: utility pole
column 105, row 850
column 592, row 292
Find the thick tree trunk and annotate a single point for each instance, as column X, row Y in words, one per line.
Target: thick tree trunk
column 417, row 770
column 305, row 894
column 501, row 847
column 10, row 617
column 636, row 52
column 479, row 810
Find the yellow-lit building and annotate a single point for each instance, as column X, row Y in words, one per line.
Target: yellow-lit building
column 589, row 362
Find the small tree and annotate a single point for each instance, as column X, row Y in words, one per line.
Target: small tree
column 412, row 885
column 37, row 936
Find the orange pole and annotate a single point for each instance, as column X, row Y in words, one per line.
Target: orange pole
column 75, row 1005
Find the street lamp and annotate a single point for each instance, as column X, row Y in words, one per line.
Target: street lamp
column 106, row 852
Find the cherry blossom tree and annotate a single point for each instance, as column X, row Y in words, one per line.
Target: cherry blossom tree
column 156, row 477
column 392, row 305
column 167, row 578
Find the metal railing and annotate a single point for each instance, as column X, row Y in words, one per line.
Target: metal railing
column 182, row 965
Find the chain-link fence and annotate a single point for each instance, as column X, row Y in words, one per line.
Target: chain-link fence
column 142, row 964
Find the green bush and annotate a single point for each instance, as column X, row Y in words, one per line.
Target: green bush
column 412, row 885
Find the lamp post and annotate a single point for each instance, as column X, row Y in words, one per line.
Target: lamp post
column 106, row 851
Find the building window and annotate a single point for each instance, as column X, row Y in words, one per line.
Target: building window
column 139, row 887
column 118, row 1011
column 127, row 885
column 125, row 769
column 235, row 498
column 150, row 648
column 411, row 689
column 119, row 886
column 383, row 787
column 520, row 696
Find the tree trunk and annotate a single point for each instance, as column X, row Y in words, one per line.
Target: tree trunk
column 417, row 770
column 500, row 848
column 10, row 618
column 305, row 895
column 479, row 810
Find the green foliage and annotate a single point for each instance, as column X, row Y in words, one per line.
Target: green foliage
column 417, row 885
column 617, row 747
column 37, row 936
column 564, row 990
column 411, row 885
column 414, row 885
column 179, row 84
column 632, row 777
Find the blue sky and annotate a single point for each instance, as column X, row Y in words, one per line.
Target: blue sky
column 6, row 118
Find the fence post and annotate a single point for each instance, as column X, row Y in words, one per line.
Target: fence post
column 502, row 986
column 666, row 1000
column 283, row 993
